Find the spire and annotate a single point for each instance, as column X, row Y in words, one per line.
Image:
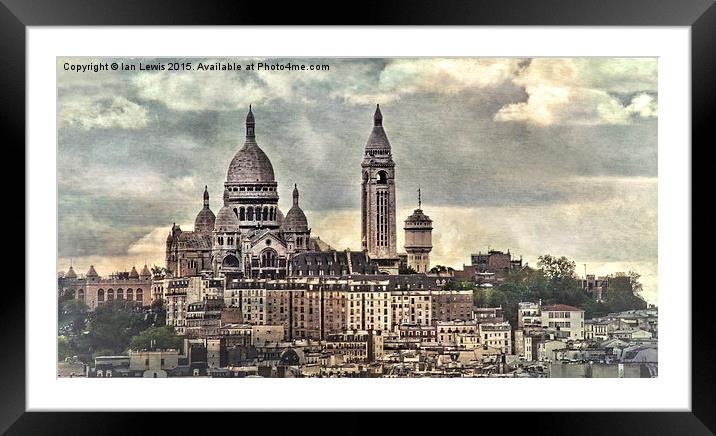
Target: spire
column 295, row 194
column 206, row 197
column 145, row 271
column 378, row 117
column 419, row 199
column 91, row 272
column 250, row 124
column 71, row 274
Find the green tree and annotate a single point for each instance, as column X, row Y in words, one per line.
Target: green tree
column 407, row 270
column 72, row 316
column 480, row 297
column 159, row 272
column 563, row 285
column 441, row 269
column 623, row 293
column 158, row 312
column 112, row 326
column 64, row 349
column 459, row 285
column 156, row 338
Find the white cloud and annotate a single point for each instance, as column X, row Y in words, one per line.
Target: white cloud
column 111, row 182
column 584, row 92
column 351, row 82
column 435, row 75
column 199, row 91
column 102, row 113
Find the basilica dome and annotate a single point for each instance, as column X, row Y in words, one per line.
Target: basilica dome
column 295, row 220
column 250, row 164
column 226, row 220
column 204, row 222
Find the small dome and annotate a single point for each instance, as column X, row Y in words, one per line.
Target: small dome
column 71, row 274
column 204, row 222
column 133, row 274
column 145, row 272
column 226, row 220
column 91, row 272
column 295, row 220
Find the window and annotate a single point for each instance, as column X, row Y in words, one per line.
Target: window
column 100, row 295
column 382, row 178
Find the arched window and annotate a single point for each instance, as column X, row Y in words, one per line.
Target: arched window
column 382, row 178
column 100, row 295
column 236, row 212
column 81, row 294
column 231, row 240
column 120, row 294
column 265, row 213
column 139, row 294
column 130, row 295
column 110, row 294
column 272, row 214
column 242, row 214
column 250, row 213
column 269, row 259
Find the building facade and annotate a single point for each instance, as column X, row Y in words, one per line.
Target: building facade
column 95, row 290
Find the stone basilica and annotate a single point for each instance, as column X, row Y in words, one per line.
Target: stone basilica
column 250, row 236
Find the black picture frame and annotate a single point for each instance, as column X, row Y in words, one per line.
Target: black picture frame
column 16, row 15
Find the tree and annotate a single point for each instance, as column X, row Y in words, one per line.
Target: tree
column 112, row 326
column 158, row 312
column 459, row 285
column 563, row 285
column 437, row 269
column 480, row 297
column 156, row 338
column 64, row 349
column 159, row 272
column 72, row 316
column 407, row 270
column 623, row 293
column 556, row 268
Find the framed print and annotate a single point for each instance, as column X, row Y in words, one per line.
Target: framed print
column 383, row 214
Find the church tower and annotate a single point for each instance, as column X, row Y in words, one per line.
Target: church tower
column 419, row 239
column 378, row 199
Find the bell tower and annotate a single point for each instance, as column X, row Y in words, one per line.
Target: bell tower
column 378, row 229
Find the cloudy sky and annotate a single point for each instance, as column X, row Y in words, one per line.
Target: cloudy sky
column 536, row 156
